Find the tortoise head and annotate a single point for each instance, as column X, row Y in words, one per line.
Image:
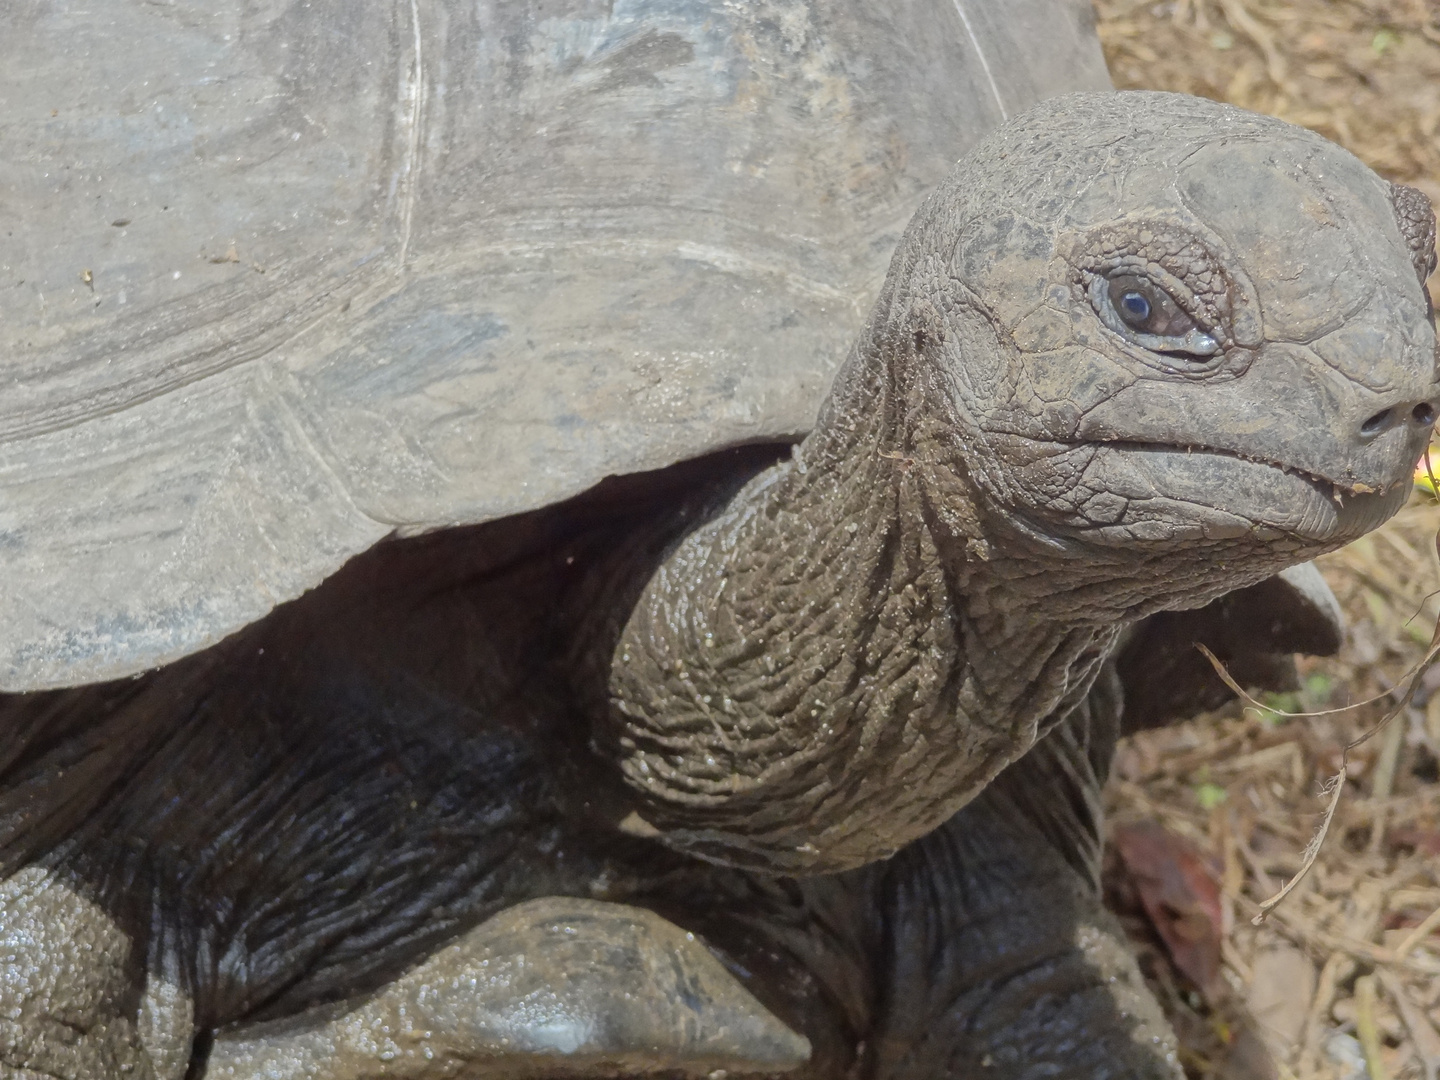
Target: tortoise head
column 1162, row 320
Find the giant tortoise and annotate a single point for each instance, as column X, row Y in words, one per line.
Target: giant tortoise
column 635, row 721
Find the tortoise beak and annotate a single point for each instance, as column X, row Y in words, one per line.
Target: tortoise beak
column 1296, row 408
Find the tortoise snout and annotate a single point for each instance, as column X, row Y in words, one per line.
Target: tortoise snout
column 1375, row 443
column 1419, row 414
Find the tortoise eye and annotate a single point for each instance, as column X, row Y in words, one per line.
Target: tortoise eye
column 1140, row 310
column 1146, row 307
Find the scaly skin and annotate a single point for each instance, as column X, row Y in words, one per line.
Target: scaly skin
column 1002, row 479
column 896, row 641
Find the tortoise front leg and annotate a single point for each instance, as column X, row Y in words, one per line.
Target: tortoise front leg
column 75, row 1003
column 979, row 951
column 999, row 960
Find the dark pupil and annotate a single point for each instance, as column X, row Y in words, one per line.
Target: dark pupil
column 1137, row 308
column 1145, row 307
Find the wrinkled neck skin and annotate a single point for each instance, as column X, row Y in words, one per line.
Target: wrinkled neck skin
column 862, row 638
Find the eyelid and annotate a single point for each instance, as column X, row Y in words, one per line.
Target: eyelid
column 1195, row 266
column 1196, row 342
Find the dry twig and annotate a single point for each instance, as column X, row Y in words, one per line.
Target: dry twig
column 1419, row 934
column 1365, row 1028
column 1422, row 1033
column 1335, row 787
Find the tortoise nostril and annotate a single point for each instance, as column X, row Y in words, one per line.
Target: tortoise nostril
column 1423, row 414
column 1376, row 423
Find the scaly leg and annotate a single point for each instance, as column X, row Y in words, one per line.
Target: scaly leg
column 1001, row 962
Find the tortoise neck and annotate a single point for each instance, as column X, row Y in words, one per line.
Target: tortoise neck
column 823, row 672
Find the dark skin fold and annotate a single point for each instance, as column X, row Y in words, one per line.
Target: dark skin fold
column 842, row 710
column 296, row 817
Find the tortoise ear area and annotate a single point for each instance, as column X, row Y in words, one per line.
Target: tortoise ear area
column 1416, row 219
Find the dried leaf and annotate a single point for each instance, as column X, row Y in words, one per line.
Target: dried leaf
column 1181, row 896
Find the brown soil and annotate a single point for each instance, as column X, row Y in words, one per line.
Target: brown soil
column 1342, row 981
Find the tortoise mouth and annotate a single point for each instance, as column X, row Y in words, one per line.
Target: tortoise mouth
column 1162, row 492
column 1329, row 487
column 1316, row 508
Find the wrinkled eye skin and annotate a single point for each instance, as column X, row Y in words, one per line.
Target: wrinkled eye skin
column 1171, row 295
column 1138, row 309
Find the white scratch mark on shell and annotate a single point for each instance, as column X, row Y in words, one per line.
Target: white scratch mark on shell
column 984, row 63
column 412, row 152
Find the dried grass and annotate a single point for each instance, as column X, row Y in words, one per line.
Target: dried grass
column 1348, row 966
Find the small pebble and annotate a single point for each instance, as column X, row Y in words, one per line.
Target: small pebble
column 1344, row 1050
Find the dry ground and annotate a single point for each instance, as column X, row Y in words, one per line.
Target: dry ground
column 1343, row 981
